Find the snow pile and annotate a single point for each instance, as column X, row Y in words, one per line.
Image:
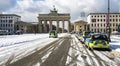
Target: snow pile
column 115, row 37
column 17, row 39
column 115, row 42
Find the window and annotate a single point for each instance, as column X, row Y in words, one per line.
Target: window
column 116, row 16
column 104, row 25
column 3, row 25
column 101, row 25
column 98, row 20
column 6, row 25
column 8, row 30
column 95, row 30
column 95, row 25
column 98, row 30
column 92, row 25
column 93, row 20
column 98, row 25
column 101, row 20
column 110, row 19
column 11, row 25
column 116, row 24
column 113, row 20
column 116, row 20
column 92, row 29
column 3, row 20
column 104, row 20
column 113, row 29
column 113, row 24
column 104, row 30
column 10, row 21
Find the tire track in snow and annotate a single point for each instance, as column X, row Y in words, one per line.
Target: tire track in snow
column 30, row 59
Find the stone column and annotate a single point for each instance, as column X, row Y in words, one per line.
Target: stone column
column 86, row 28
column 50, row 25
column 40, row 26
column 74, row 27
column 57, row 28
column 45, row 26
column 62, row 26
column 69, row 26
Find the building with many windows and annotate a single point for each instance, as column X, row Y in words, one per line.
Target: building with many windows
column 97, row 21
column 7, row 22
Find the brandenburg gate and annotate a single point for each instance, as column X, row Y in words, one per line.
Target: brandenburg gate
column 53, row 16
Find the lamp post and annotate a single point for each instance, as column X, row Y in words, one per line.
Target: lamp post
column 108, row 22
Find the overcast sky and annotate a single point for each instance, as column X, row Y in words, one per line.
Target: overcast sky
column 29, row 9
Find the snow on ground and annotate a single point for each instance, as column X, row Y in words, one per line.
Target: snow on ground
column 115, row 42
column 17, row 39
column 22, row 45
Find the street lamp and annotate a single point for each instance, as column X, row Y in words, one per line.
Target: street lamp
column 108, row 29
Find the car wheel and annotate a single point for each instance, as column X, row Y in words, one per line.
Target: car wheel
column 108, row 49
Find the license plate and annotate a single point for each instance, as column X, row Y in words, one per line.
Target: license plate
column 100, row 42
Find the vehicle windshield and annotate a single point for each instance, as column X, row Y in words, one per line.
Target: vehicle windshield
column 99, row 37
column 52, row 32
column 86, row 33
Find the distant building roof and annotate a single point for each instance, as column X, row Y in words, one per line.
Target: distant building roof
column 80, row 21
column 33, row 22
column 9, row 15
column 26, row 23
column 101, row 13
column 22, row 23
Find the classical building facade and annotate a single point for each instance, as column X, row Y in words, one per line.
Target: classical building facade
column 53, row 16
column 80, row 26
column 26, row 27
column 7, row 21
column 97, row 21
